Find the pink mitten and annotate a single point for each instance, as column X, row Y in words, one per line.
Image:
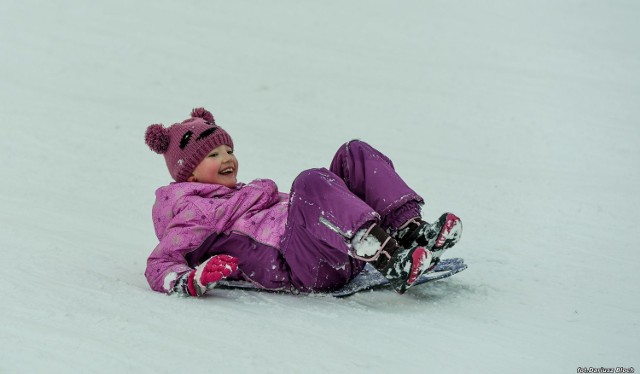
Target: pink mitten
column 205, row 276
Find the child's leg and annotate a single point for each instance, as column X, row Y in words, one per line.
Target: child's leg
column 323, row 217
column 370, row 175
column 331, row 232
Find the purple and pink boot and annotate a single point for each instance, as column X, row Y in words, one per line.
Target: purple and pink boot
column 437, row 237
column 401, row 266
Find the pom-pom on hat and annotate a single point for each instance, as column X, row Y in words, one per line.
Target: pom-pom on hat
column 184, row 145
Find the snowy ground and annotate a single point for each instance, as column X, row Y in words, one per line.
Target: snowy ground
column 517, row 115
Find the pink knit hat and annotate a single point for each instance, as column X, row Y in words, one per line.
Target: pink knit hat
column 184, row 145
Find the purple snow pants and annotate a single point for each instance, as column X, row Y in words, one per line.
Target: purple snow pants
column 327, row 207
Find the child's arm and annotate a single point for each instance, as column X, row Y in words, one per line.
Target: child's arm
column 186, row 232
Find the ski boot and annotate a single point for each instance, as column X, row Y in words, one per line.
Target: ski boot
column 401, row 266
column 437, row 237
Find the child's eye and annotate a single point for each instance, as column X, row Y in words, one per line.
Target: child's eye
column 230, row 152
column 213, row 155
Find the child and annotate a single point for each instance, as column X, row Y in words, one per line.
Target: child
column 316, row 239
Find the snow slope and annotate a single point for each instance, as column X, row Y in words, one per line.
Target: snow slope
column 517, row 115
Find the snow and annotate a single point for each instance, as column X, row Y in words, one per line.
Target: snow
column 365, row 245
column 519, row 116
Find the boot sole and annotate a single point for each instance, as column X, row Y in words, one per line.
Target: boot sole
column 450, row 232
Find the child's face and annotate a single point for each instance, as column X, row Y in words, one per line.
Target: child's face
column 219, row 167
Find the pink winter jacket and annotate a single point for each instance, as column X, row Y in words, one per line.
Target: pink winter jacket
column 185, row 214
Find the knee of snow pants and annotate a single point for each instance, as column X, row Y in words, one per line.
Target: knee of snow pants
column 323, row 217
column 370, row 175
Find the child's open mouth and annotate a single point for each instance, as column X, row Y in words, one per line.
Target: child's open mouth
column 227, row 171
